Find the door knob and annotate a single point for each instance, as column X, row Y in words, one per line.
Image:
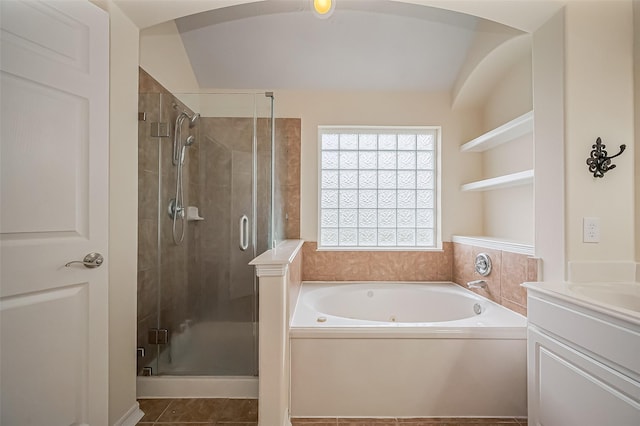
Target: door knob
column 92, row 260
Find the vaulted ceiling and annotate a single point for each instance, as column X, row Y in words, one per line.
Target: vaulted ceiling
column 363, row 45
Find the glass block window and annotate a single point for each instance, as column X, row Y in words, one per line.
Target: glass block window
column 378, row 188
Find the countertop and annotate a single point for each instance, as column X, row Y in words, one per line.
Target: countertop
column 619, row 300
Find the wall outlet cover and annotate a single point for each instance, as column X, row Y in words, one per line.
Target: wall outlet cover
column 591, row 229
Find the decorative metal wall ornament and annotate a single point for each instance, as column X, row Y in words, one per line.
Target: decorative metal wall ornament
column 599, row 163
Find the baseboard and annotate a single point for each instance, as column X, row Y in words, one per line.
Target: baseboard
column 131, row 417
column 581, row 272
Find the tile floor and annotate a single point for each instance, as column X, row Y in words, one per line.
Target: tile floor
column 244, row 412
column 410, row 422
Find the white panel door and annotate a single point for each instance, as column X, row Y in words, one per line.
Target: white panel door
column 53, row 209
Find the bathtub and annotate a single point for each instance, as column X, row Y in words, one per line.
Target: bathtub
column 392, row 349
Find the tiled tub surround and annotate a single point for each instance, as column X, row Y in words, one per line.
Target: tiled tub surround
column 334, row 265
column 509, row 270
column 454, row 263
column 347, row 368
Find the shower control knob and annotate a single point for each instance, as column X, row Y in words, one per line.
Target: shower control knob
column 483, row 264
column 92, row 260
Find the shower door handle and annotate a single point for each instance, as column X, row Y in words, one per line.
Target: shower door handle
column 244, row 232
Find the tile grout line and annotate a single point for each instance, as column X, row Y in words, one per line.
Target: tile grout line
column 155, row 422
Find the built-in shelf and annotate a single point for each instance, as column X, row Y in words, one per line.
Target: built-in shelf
column 495, row 244
column 507, row 132
column 505, row 181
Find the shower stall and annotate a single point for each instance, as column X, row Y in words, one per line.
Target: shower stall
column 206, row 190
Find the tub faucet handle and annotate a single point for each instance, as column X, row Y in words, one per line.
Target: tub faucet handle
column 477, row 284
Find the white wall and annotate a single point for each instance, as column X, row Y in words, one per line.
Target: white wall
column 123, row 211
column 386, row 109
column 488, row 54
column 508, row 214
column 549, row 111
column 599, row 103
column 512, row 96
column 162, row 54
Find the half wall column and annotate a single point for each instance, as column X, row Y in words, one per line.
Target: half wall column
column 272, row 269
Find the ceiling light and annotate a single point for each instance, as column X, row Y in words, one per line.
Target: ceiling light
column 323, row 8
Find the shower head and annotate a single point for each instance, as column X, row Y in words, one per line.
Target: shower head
column 193, row 119
column 187, row 143
column 178, row 147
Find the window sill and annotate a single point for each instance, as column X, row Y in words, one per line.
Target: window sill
column 381, row 249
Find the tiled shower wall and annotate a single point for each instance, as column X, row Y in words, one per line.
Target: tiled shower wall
column 288, row 131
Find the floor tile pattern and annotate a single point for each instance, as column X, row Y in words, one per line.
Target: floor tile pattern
column 244, row 412
column 441, row 421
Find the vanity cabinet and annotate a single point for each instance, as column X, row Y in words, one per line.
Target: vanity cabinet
column 583, row 365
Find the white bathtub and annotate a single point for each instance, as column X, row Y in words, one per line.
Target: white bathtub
column 405, row 350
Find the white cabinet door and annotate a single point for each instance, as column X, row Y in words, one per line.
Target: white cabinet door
column 53, row 209
column 568, row 388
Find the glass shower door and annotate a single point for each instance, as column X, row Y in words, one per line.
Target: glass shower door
column 208, row 292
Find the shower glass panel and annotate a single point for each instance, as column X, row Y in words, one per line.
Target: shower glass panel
column 206, row 295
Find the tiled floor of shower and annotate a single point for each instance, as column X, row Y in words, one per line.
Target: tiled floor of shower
column 244, row 412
